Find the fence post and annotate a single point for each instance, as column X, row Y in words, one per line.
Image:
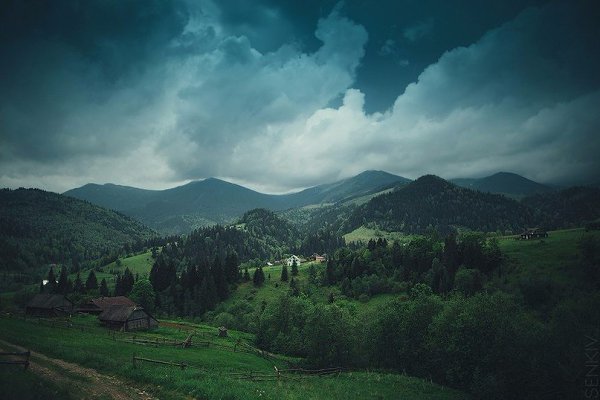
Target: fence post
column 277, row 372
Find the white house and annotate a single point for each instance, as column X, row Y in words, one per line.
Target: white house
column 291, row 260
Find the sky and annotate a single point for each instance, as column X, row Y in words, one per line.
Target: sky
column 280, row 95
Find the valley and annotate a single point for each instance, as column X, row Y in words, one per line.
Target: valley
column 383, row 277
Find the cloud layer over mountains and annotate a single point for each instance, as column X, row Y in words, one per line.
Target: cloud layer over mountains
column 152, row 94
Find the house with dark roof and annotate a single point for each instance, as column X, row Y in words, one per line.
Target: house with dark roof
column 534, row 233
column 127, row 318
column 96, row 306
column 49, row 305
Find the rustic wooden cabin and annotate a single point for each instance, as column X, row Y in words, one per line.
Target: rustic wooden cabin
column 127, row 318
column 534, row 233
column 96, row 306
column 49, row 305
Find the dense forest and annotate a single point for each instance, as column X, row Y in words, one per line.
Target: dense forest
column 433, row 203
column 39, row 228
column 192, row 274
column 449, row 320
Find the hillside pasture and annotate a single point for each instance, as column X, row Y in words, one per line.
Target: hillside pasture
column 213, row 372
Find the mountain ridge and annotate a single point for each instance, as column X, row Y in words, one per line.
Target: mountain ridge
column 507, row 183
column 39, row 227
column 215, row 201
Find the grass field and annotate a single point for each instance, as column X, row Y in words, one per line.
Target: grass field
column 139, row 264
column 364, row 234
column 211, row 371
column 553, row 258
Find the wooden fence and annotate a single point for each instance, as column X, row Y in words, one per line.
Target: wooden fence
column 16, row 358
column 256, row 376
column 135, row 359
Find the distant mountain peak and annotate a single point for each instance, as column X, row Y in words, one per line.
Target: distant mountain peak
column 430, row 180
column 507, row 183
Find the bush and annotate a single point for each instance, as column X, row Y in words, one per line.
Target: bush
column 468, row 281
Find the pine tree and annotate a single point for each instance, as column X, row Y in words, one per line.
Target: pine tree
column 127, row 282
column 51, row 281
column 284, row 273
column 294, row 268
column 232, row 271
column 259, row 277
column 212, row 297
column 118, row 286
column 91, row 282
column 103, row 288
column 329, row 278
column 312, row 274
column 78, row 285
column 246, row 275
column 63, row 281
column 220, row 279
column 294, row 289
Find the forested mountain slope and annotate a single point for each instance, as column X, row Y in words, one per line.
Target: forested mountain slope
column 38, row 227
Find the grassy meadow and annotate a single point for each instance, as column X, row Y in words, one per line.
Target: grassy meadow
column 138, row 264
column 364, row 234
column 554, row 258
column 212, row 370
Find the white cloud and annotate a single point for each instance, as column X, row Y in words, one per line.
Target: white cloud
column 523, row 98
column 478, row 110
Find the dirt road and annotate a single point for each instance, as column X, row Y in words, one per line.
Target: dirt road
column 86, row 383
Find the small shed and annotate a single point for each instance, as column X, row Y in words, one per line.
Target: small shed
column 222, row 331
column 49, row 305
column 96, row 306
column 534, row 233
column 127, row 318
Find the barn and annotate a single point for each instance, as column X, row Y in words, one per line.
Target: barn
column 96, row 306
column 127, row 318
column 49, row 305
column 534, row 233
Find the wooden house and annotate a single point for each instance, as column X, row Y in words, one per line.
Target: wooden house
column 96, row 306
column 49, row 305
column 534, row 233
column 127, row 318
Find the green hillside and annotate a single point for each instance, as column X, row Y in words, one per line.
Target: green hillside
column 548, row 270
column 433, row 203
column 216, row 371
column 38, row 228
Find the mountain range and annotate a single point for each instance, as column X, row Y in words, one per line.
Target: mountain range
column 214, row 201
column 369, row 196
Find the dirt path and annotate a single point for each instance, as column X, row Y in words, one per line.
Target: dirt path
column 86, row 382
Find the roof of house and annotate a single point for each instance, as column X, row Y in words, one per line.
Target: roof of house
column 48, row 301
column 105, row 302
column 120, row 313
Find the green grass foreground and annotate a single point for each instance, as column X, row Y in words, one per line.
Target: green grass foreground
column 211, row 371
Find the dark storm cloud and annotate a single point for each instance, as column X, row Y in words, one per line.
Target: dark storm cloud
column 405, row 36
column 284, row 94
column 66, row 60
